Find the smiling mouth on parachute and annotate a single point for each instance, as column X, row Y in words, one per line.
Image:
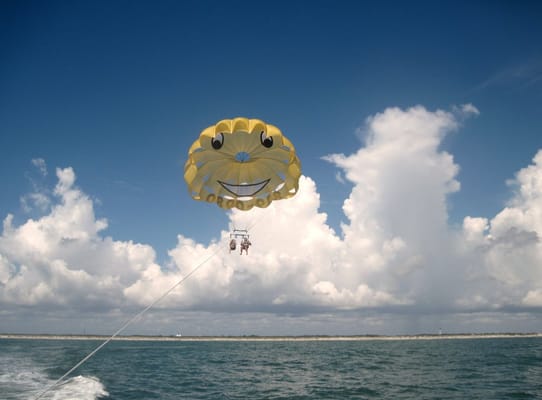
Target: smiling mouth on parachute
column 244, row 189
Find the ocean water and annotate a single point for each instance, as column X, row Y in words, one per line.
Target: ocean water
column 504, row 368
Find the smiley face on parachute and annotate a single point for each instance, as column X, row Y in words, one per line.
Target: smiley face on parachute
column 242, row 163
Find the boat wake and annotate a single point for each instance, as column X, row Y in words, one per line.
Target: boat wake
column 78, row 387
column 21, row 379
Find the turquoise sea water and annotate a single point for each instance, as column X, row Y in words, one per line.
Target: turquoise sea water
column 509, row 368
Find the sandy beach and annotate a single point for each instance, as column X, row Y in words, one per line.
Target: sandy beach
column 272, row 338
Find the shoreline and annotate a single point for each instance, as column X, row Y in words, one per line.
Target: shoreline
column 308, row 338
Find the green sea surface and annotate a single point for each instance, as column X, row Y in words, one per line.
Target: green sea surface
column 489, row 368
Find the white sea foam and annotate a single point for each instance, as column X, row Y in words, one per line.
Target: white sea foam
column 81, row 388
column 21, row 379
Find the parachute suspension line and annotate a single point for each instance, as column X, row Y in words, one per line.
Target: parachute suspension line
column 129, row 322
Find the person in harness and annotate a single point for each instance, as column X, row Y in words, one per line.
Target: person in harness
column 245, row 244
column 233, row 244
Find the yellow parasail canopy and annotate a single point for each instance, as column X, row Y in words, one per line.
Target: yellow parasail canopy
column 242, row 163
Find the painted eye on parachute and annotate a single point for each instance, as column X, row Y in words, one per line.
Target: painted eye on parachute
column 266, row 141
column 217, row 141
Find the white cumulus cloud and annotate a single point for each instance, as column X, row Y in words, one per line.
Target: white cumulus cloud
column 507, row 249
column 62, row 258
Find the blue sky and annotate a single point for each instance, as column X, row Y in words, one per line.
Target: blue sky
column 119, row 90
